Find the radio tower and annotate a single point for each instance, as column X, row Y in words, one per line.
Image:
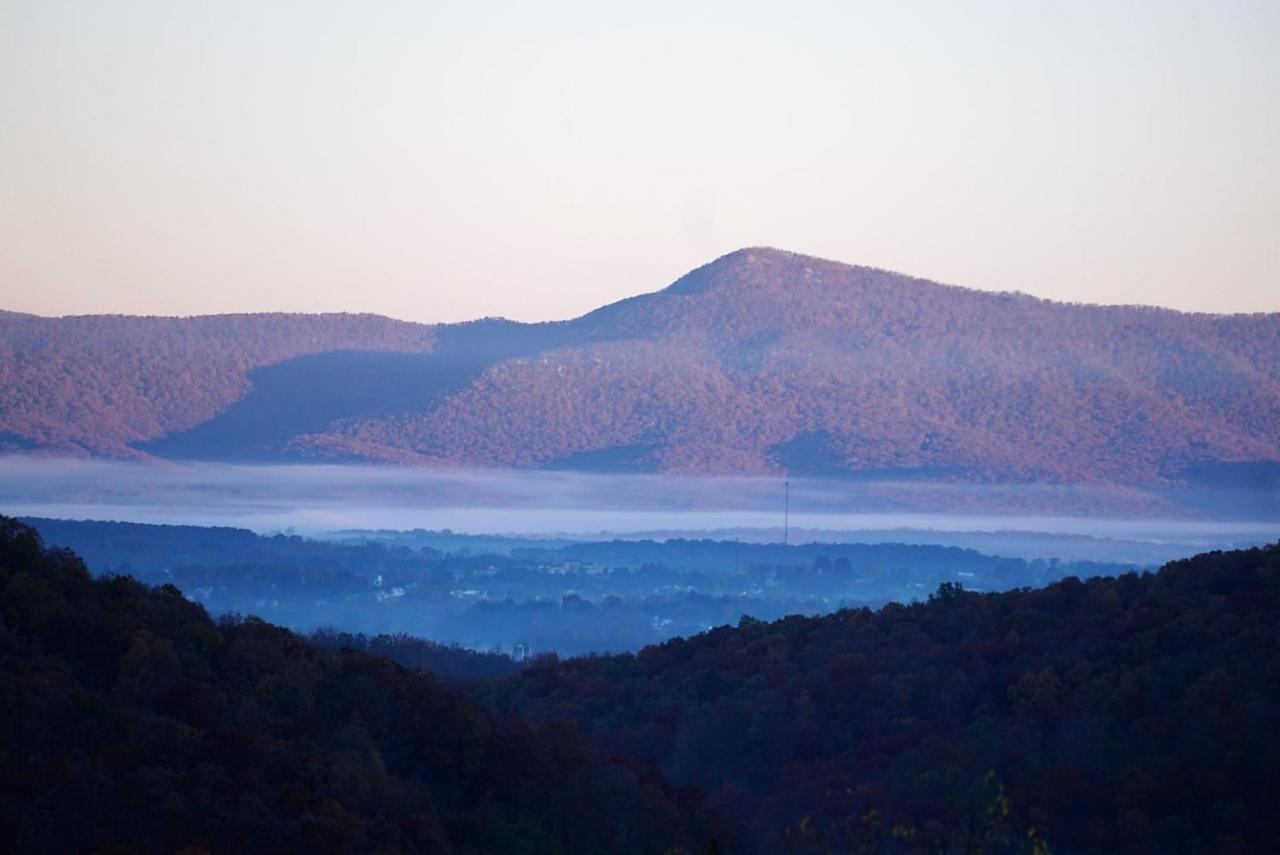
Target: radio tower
column 786, row 511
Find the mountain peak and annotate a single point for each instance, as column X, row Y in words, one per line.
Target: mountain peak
column 759, row 289
column 751, row 265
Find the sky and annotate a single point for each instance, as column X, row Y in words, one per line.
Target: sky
column 441, row 161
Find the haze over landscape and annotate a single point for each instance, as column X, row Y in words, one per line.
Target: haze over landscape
column 694, row 428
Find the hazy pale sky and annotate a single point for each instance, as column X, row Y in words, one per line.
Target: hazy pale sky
column 443, row 161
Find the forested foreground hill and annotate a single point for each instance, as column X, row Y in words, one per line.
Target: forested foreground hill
column 131, row 722
column 1139, row 714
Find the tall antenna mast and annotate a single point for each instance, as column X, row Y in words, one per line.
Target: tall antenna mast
column 786, row 511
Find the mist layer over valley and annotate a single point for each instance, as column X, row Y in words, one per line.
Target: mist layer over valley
column 524, row 562
column 528, row 596
column 323, row 498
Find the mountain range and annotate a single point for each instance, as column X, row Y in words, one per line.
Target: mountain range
column 761, row 362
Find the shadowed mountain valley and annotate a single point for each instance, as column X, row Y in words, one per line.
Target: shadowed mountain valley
column 308, row 394
column 567, row 598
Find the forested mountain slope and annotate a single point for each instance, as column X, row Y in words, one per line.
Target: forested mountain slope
column 1130, row 714
column 767, row 361
column 97, row 384
column 130, row 721
column 760, row 362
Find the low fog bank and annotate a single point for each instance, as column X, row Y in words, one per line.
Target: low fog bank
column 1088, row 522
